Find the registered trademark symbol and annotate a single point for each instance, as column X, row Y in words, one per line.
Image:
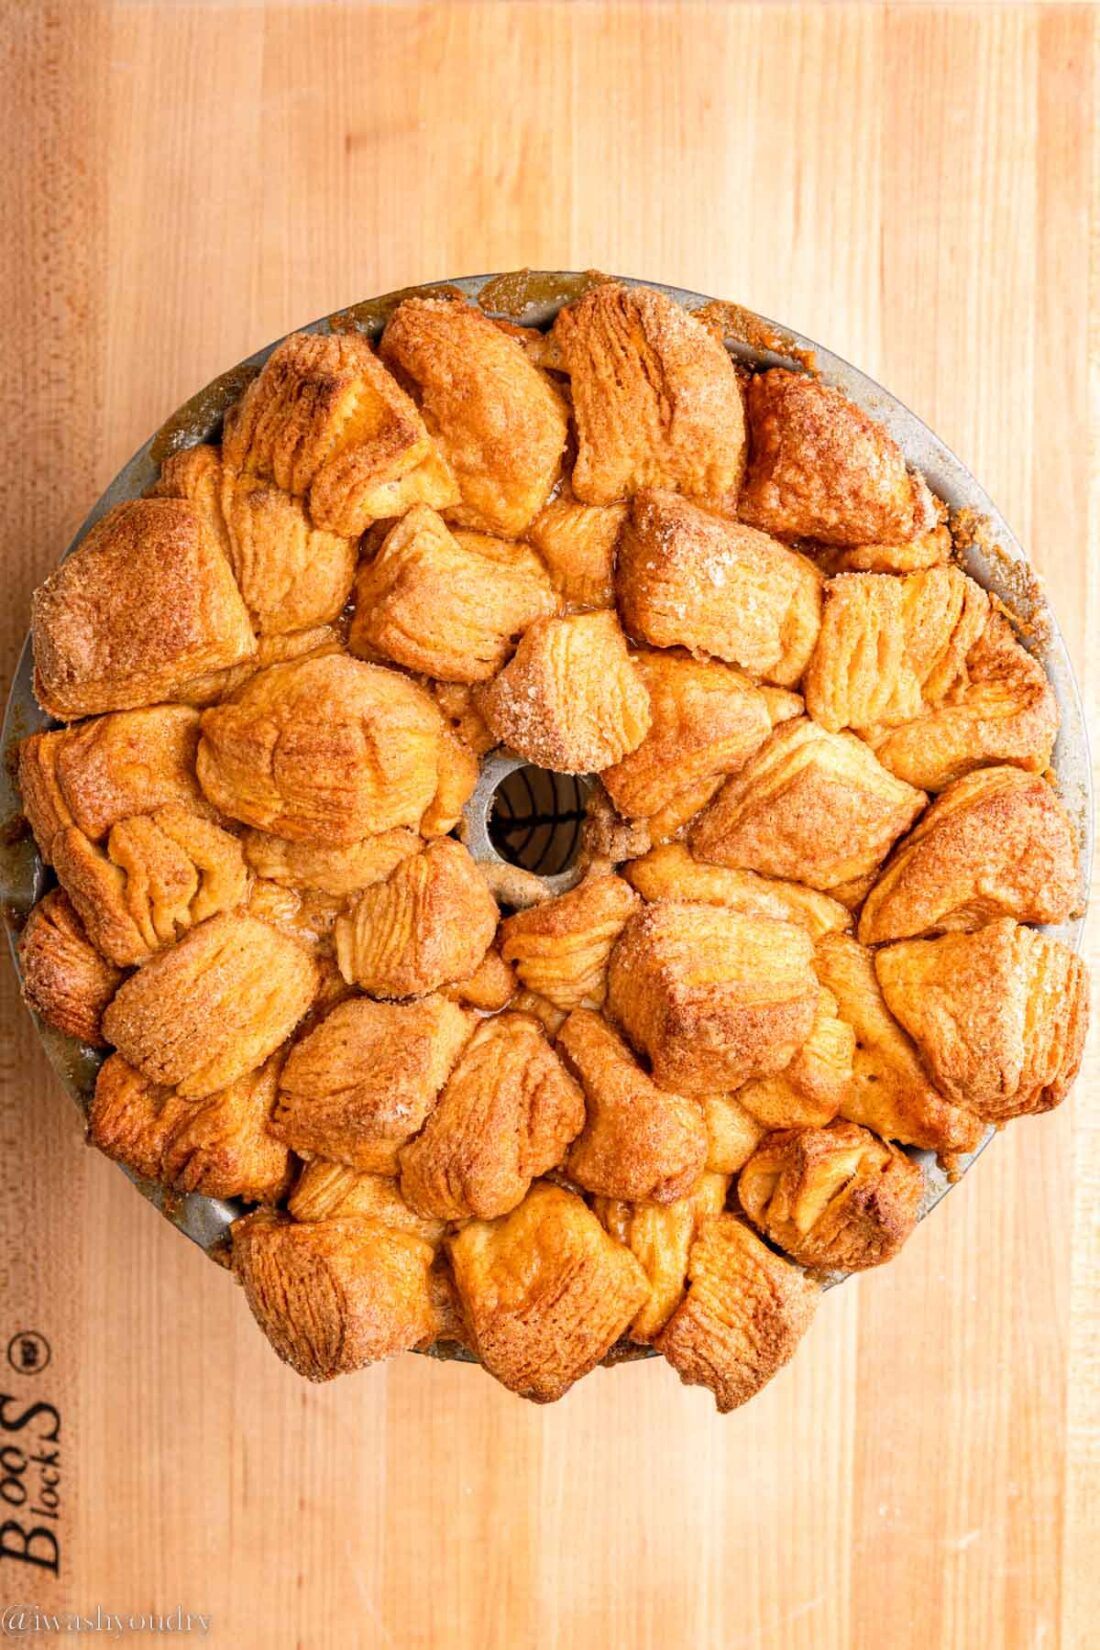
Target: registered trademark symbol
column 28, row 1352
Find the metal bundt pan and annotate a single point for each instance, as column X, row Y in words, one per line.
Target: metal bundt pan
column 532, row 298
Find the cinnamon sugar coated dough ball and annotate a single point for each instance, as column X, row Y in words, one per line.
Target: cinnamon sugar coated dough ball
column 815, row 818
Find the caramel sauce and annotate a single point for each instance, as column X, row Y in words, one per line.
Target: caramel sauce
column 197, row 418
column 514, row 293
column 372, row 314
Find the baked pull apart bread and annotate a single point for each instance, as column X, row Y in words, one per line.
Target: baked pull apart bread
column 646, row 1103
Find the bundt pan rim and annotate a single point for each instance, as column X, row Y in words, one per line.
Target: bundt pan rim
column 994, row 558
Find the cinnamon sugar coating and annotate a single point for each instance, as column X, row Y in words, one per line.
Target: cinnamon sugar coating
column 65, row 979
column 659, row 1236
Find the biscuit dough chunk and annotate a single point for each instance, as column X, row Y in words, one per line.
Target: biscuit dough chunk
column 820, row 468
column 996, row 843
column 506, row 1115
column 688, row 578
column 705, row 719
column 272, row 648
column 338, row 871
column 571, row 699
column 560, row 947
column 94, row 774
column 428, row 924
column 146, row 600
column 711, row 997
column 218, row 1146
column 743, row 1316
column 214, row 1006
column 290, row 573
column 638, row 1141
column 159, row 875
column 325, row 1191
column 811, row 806
column 1000, row 1015
column 545, row 1292
column 65, row 980
column 660, row 1236
column 832, row 1197
column 326, row 750
column 891, row 1091
column 452, row 605
column 672, row 872
column 656, row 400
column 325, row 421
column 498, row 421
column 334, row 1295
column 814, row 1086
column 369, row 1072
column 733, row 1133
column 577, row 543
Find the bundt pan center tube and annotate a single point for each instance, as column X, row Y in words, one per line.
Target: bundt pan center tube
column 539, row 854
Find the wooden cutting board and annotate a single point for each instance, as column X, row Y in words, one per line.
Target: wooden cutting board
column 915, row 186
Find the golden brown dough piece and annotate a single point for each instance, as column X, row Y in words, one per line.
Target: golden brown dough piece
column 325, row 750
column 212, row 1008
column 638, row 1141
column 571, row 698
column 306, row 915
column 706, row 719
column 507, row 1113
column 660, row 1236
column 458, row 774
column 656, row 399
column 932, row 549
column 996, row 843
column 325, row 420
column 327, row 1191
column 93, row 775
column 1003, row 709
column 811, row 806
column 577, row 542
column 369, row 1072
column 334, row 1295
column 161, row 873
column 452, row 605
column 833, row 1197
column 733, row 1134
column 688, row 578
column 498, row 421
column 891, row 1091
column 559, row 948
column 218, row 1146
column 814, row 1086
column 64, row 978
column 545, row 1292
column 458, row 706
column 819, row 468
column 744, row 1314
column 290, row 573
column 490, row 987
column 672, row 872
column 711, row 997
column 429, row 923
column 999, row 1015
column 146, row 600
column 274, row 648
column 606, row 837
column 332, row 870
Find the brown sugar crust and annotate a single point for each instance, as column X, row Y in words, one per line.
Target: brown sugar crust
column 497, row 420
column 560, row 947
column 571, row 698
column 712, row 998
column 656, row 399
column 145, row 601
column 686, row 577
column 506, row 1115
column 65, row 980
column 322, row 750
column 745, row 1312
column 996, row 843
column 835, row 1197
column 820, row 468
column 639, row 1141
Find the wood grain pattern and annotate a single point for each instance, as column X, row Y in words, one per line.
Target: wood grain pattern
column 919, row 187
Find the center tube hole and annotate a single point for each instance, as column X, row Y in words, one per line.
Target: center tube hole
column 536, row 818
